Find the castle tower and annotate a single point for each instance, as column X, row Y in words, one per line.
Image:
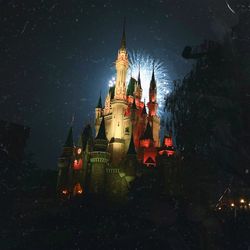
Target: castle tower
column 98, row 114
column 152, row 104
column 141, row 125
column 87, row 136
column 120, row 126
column 167, row 147
column 133, row 112
column 99, row 159
column 131, row 161
column 148, row 150
column 64, row 166
column 152, row 109
column 169, row 169
column 107, row 107
column 138, row 88
column 131, row 89
column 121, row 69
column 77, row 178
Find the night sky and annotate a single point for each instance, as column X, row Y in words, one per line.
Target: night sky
column 56, row 56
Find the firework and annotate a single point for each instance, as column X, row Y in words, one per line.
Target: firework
column 146, row 62
column 112, row 82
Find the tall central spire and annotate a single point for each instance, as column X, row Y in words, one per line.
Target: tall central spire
column 122, row 65
column 123, row 42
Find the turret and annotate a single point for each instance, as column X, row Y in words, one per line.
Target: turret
column 87, row 136
column 98, row 109
column 69, row 143
column 99, row 158
column 148, row 149
column 64, row 166
column 131, row 89
column 77, row 175
column 147, row 139
column 152, row 88
column 167, row 147
column 98, row 113
column 138, row 88
column 101, row 141
column 152, row 104
column 122, row 65
column 152, row 110
column 131, row 148
column 133, row 110
column 131, row 161
column 78, row 155
column 123, row 41
column 144, row 111
column 139, row 77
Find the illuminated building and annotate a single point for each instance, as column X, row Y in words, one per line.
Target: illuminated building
column 127, row 137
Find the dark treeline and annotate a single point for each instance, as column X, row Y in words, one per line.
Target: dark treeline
column 209, row 112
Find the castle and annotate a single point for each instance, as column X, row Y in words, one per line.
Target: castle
column 127, row 138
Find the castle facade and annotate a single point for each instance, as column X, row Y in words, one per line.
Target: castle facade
column 127, row 138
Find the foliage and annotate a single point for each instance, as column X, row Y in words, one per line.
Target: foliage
column 206, row 112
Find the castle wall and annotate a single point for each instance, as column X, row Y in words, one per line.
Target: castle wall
column 99, row 161
column 156, row 130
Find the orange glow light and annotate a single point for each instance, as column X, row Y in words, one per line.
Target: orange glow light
column 78, row 189
column 168, row 142
column 65, row 192
column 77, row 164
column 145, row 143
column 170, row 152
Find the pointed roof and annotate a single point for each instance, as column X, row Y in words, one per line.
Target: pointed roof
column 131, row 86
column 148, row 134
column 139, row 77
column 123, row 41
column 79, row 142
column 102, row 131
column 131, row 148
column 99, row 104
column 86, row 135
column 144, row 111
column 150, row 161
column 69, row 141
column 167, row 138
column 133, row 105
column 153, row 82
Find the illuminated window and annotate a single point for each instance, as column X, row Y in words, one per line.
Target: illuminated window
column 77, row 164
column 168, row 142
column 65, row 192
column 127, row 130
column 78, row 189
